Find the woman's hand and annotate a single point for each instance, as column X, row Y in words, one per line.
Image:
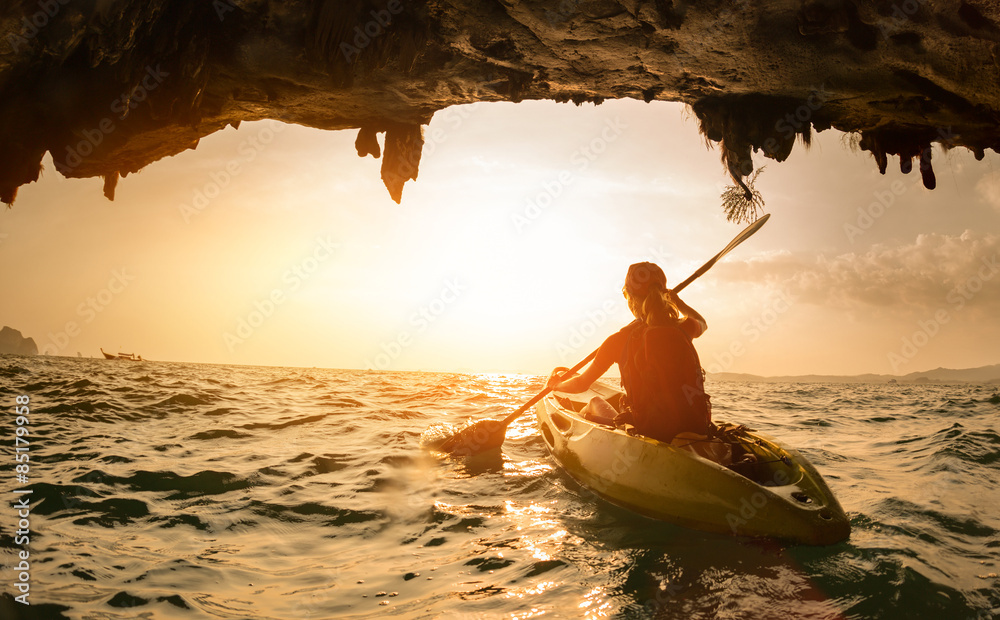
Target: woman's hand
column 699, row 325
column 557, row 376
column 674, row 299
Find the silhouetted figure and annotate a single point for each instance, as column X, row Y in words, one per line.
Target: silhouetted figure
column 660, row 369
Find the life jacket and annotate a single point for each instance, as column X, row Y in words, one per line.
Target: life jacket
column 663, row 381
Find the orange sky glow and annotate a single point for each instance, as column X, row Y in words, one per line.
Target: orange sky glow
column 276, row 245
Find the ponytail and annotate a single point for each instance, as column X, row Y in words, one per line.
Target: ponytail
column 655, row 304
column 646, row 289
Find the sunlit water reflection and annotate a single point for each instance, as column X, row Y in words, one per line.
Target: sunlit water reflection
column 193, row 491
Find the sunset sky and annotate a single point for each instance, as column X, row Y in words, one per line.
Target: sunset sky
column 277, row 245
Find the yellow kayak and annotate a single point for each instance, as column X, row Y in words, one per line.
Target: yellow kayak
column 745, row 483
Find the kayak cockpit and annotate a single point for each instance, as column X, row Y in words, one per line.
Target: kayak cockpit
column 763, row 463
column 737, row 481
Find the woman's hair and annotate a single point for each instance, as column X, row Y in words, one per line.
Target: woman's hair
column 655, row 305
column 645, row 288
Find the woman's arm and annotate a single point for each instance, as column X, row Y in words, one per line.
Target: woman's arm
column 609, row 353
column 696, row 323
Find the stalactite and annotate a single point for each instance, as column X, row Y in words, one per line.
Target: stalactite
column 759, row 75
column 403, row 146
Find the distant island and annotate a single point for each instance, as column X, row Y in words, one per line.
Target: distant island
column 11, row 341
column 983, row 374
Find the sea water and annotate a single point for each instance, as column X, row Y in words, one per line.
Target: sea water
column 166, row 490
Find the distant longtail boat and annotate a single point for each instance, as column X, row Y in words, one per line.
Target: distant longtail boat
column 132, row 357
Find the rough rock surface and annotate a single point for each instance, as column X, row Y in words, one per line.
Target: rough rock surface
column 109, row 86
column 11, row 341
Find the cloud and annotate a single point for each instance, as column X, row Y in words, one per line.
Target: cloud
column 988, row 189
column 924, row 275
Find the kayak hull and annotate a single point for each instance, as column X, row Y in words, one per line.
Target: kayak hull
column 783, row 497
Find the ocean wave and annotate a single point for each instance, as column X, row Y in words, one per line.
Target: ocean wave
column 274, row 426
column 192, row 481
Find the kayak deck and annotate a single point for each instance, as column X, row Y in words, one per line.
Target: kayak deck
column 774, row 492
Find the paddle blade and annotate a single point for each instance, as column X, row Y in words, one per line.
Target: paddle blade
column 747, row 232
column 740, row 238
column 476, row 438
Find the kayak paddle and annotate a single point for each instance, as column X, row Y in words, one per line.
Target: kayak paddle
column 485, row 435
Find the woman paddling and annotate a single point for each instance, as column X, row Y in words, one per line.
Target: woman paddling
column 660, row 369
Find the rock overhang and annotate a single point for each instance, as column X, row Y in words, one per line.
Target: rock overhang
column 110, row 87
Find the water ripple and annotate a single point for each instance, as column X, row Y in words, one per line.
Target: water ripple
column 188, row 490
